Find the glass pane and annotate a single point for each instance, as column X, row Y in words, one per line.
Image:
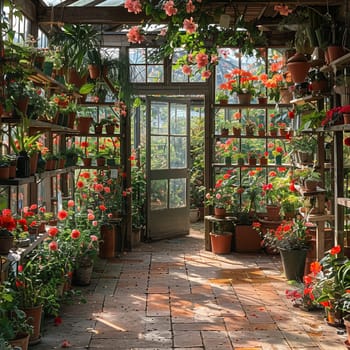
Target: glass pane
column 177, row 193
column 178, row 152
column 178, row 120
column 159, row 118
column 138, row 74
column 155, row 74
column 137, row 56
column 159, row 194
column 159, row 152
column 177, row 76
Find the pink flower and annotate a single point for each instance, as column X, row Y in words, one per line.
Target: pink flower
column 133, row 6
column 283, row 10
column 91, row 217
column 70, row 203
column 190, row 7
column 169, row 8
column 94, row 223
column 201, row 59
column 134, row 35
column 163, row 32
column 107, row 189
column 206, row 74
column 93, row 238
column 186, row 69
column 189, row 25
column 75, row 234
column 214, row 59
column 53, row 246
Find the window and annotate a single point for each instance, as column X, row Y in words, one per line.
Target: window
column 143, row 68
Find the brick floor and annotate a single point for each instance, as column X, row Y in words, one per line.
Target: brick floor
column 173, row 294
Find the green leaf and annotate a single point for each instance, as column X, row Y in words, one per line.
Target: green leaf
column 86, row 88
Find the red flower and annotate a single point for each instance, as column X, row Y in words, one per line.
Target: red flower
column 347, row 141
column 52, row 232
column 102, row 207
column 291, row 114
column 75, row 234
column 53, row 246
column 307, row 279
column 98, row 187
column 335, row 250
column 70, row 203
column 325, row 303
column 80, row 184
column 58, row 321
column 315, row 267
column 62, row 215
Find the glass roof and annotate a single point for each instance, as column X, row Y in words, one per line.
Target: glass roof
column 85, row 2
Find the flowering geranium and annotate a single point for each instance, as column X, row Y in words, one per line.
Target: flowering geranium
column 239, row 81
column 290, row 235
column 227, row 148
column 330, row 284
column 221, row 196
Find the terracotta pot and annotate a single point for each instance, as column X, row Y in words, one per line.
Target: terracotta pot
column 298, row 71
column 107, row 243
column 219, row 213
column 84, row 124
column 34, row 318
column 71, row 119
column 100, row 161
column 244, row 99
column 262, row 100
column 98, row 129
column 223, row 102
column 273, row 212
column 12, row 171
column 263, row 161
column 224, row 132
column 87, row 161
column 110, row 128
column 221, row 243
column 76, row 79
column 273, row 133
column 82, row 275
column 6, row 243
column 246, row 239
column 4, row 173
column 34, row 162
column 236, row 131
column 252, row 161
column 283, row 132
column 261, row 132
column 335, row 52
column 346, row 117
column 94, row 71
column 21, row 341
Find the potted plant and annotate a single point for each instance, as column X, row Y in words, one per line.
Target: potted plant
column 330, row 283
column 222, row 97
column 14, row 326
column 249, row 127
column 74, row 41
column 236, row 128
column 291, row 239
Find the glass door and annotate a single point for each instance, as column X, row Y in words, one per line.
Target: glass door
column 168, row 125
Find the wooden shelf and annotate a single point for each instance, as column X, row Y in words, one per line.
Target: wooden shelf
column 50, row 173
column 307, row 99
column 344, row 201
column 251, row 137
column 222, row 165
column 25, row 250
column 17, row 181
column 38, row 124
column 305, row 193
column 252, row 105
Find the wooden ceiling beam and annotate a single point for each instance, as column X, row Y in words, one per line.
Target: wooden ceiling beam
column 87, row 14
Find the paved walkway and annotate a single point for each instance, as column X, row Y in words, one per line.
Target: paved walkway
column 175, row 295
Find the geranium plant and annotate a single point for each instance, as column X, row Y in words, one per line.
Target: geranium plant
column 239, row 81
column 290, row 235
